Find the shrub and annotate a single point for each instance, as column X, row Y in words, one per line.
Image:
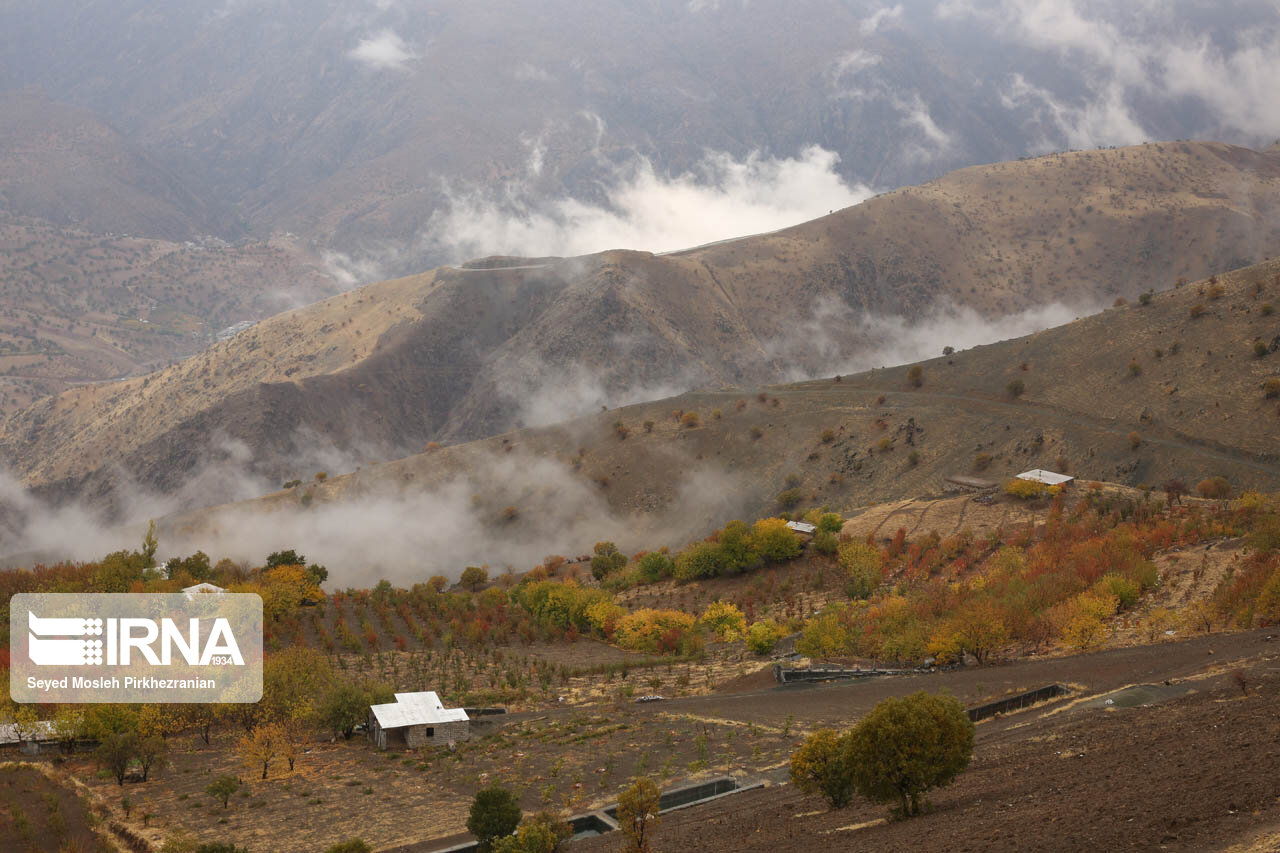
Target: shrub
column 655, row 566
column 982, row 461
column 638, row 808
column 885, row 444
column 662, row 631
column 825, row 542
column 790, row 498
column 220, row 847
column 1135, row 369
column 1145, row 298
column 828, row 436
column 948, row 350
column 1214, row 488
column 1120, row 302
column 863, row 565
column 915, row 375
column 756, row 432
column 1124, row 590
column 913, row 458
column 1267, row 309
column 1216, row 291
column 906, row 747
column 762, row 636
column 541, row 833
column 1025, row 489
column 495, row 813
column 1196, row 310
column 1271, row 388
column 1260, row 348
column 773, row 540
column 1015, row 388
column 607, row 558
column 351, row 845
column 689, row 420
column 648, row 426
column 724, row 620
column 716, row 414
column 699, row 560
column 821, row 766
column 1135, row 440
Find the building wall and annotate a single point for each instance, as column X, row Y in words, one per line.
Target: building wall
column 414, row 737
column 446, row 733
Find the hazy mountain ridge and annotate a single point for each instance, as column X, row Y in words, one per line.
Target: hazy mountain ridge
column 460, row 354
column 646, row 476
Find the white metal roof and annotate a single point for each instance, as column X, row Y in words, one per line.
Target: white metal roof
column 42, row 731
column 1047, row 477
column 202, row 587
column 416, row 709
column 802, row 526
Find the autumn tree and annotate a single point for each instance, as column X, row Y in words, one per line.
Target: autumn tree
column 863, row 565
column 261, row 746
column 1174, row 490
column 539, row 833
column 638, row 808
column 820, row 766
column 907, row 747
column 915, row 376
column 773, row 540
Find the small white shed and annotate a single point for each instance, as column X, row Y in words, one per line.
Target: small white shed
column 1049, row 478
column 802, row 527
column 417, row 719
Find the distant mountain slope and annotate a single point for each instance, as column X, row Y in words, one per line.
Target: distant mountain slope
column 1195, row 406
column 63, row 164
column 343, row 121
column 81, row 307
column 460, row 354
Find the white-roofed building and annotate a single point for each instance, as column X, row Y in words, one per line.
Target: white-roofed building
column 202, row 588
column 802, row 527
column 1047, row 477
column 417, row 719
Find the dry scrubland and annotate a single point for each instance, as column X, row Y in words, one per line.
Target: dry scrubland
column 453, row 354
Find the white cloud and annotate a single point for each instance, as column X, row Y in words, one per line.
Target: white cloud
column 1127, row 53
column 722, row 199
column 383, row 50
column 881, row 19
column 837, row 339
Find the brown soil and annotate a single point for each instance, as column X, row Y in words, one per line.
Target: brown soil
column 40, row 814
column 1194, row 773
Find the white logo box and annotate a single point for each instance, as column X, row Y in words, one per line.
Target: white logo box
column 135, row 647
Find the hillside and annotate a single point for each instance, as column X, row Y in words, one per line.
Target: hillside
column 65, row 165
column 81, row 307
column 643, row 476
column 458, row 354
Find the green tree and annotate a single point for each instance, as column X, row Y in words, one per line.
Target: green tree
column 495, row 813
column 285, row 558
column 907, row 747
column 346, row 705
column 830, row 522
column 116, row 752
column 699, row 560
column 762, row 636
column 152, row 752
column 474, row 577
column 821, row 766
column 738, row 552
column 638, row 808
column 223, row 788
column 197, row 566
column 655, row 566
column 607, row 559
